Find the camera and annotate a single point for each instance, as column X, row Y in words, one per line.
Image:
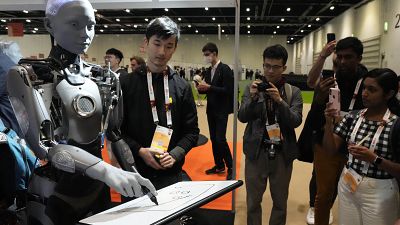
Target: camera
column 330, row 37
column 271, row 152
column 262, row 87
column 327, row 73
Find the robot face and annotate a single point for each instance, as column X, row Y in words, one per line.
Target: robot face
column 73, row 26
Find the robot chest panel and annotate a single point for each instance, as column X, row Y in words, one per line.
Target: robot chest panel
column 82, row 110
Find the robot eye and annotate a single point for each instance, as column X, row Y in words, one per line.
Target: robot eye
column 84, row 105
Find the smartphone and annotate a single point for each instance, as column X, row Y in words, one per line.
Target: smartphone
column 330, row 37
column 327, row 73
column 334, row 98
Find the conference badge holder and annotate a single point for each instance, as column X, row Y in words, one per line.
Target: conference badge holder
column 352, row 179
column 161, row 138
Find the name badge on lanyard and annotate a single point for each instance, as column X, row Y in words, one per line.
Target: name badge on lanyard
column 274, row 132
column 352, row 179
column 162, row 135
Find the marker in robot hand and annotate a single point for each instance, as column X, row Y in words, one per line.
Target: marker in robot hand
column 146, row 191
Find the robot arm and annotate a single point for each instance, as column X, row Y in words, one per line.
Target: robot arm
column 73, row 159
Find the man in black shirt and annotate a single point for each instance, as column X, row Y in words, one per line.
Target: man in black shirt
column 148, row 104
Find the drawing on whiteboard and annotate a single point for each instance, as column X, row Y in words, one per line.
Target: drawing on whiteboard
column 169, row 199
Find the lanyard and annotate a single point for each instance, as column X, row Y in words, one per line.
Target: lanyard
column 167, row 103
column 375, row 139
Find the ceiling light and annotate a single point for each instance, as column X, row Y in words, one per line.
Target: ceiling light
column 135, row 26
column 283, row 19
column 248, row 26
column 317, row 19
column 3, row 20
column 28, row 21
column 6, row 28
column 166, row 9
column 179, row 18
column 35, row 28
column 223, row 31
column 247, row 9
column 146, row 19
column 105, row 26
column 117, row 20
column 274, row 32
column 101, row 30
column 288, row 9
column 189, row 26
column 332, row 7
column 206, row 8
column 127, row 10
column 278, row 27
column 219, row 25
column 288, row 41
column 291, row 39
column 25, row 11
column 122, row 29
column 197, row 31
column 248, row 18
column 309, row 25
column 248, row 32
column 302, row 31
column 213, row 18
column 95, row 10
column 34, row 31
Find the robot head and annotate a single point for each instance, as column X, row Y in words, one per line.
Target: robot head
column 71, row 23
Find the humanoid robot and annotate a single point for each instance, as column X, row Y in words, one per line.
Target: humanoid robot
column 59, row 110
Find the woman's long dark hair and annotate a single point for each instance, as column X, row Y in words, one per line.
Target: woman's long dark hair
column 387, row 80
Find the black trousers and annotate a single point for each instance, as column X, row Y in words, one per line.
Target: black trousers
column 217, row 125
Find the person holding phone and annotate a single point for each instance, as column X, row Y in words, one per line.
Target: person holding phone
column 347, row 55
column 368, row 191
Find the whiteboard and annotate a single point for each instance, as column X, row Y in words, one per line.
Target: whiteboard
column 173, row 201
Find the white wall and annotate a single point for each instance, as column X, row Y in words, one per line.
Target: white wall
column 188, row 52
column 365, row 22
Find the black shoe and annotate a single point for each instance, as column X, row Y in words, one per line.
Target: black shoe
column 229, row 176
column 215, row 170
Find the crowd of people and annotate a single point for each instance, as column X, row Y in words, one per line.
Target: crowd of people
column 354, row 143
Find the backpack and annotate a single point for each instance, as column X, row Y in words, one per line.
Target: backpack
column 17, row 163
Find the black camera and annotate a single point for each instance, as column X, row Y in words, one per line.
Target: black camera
column 261, row 87
column 271, row 152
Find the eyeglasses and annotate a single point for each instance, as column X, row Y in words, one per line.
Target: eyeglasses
column 273, row 67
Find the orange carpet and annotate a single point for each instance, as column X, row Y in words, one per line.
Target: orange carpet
column 200, row 159
column 196, row 162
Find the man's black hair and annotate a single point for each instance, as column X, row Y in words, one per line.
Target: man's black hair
column 352, row 43
column 163, row 27
column 116, row 52
column 276, row 52
column 211, row 47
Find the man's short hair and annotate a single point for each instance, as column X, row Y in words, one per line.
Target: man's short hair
column 116, row 52
column 140, row 61
column 163, row 27
column 350, row 42
column 276, row 52
column 211, row 47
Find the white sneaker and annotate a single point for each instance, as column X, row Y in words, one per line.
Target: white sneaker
column 310, row 216
column 330, row 217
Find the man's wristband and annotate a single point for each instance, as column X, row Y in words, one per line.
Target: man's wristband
column 378, row 160
column 324, row 57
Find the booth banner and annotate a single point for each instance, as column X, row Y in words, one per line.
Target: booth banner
column 15, row 29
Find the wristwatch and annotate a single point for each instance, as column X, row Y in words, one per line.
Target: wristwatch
column 377, row 161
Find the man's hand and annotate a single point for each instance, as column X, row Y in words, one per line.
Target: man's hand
column 166, row 160
column 253, row 88
column 203, row 87
column 148, row 154
column 322, row 89
column 273, row 92
column 328, row 49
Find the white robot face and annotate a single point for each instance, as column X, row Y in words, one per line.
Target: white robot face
column 73, row 26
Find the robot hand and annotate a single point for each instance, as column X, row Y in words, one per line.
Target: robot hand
column 124, row 182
